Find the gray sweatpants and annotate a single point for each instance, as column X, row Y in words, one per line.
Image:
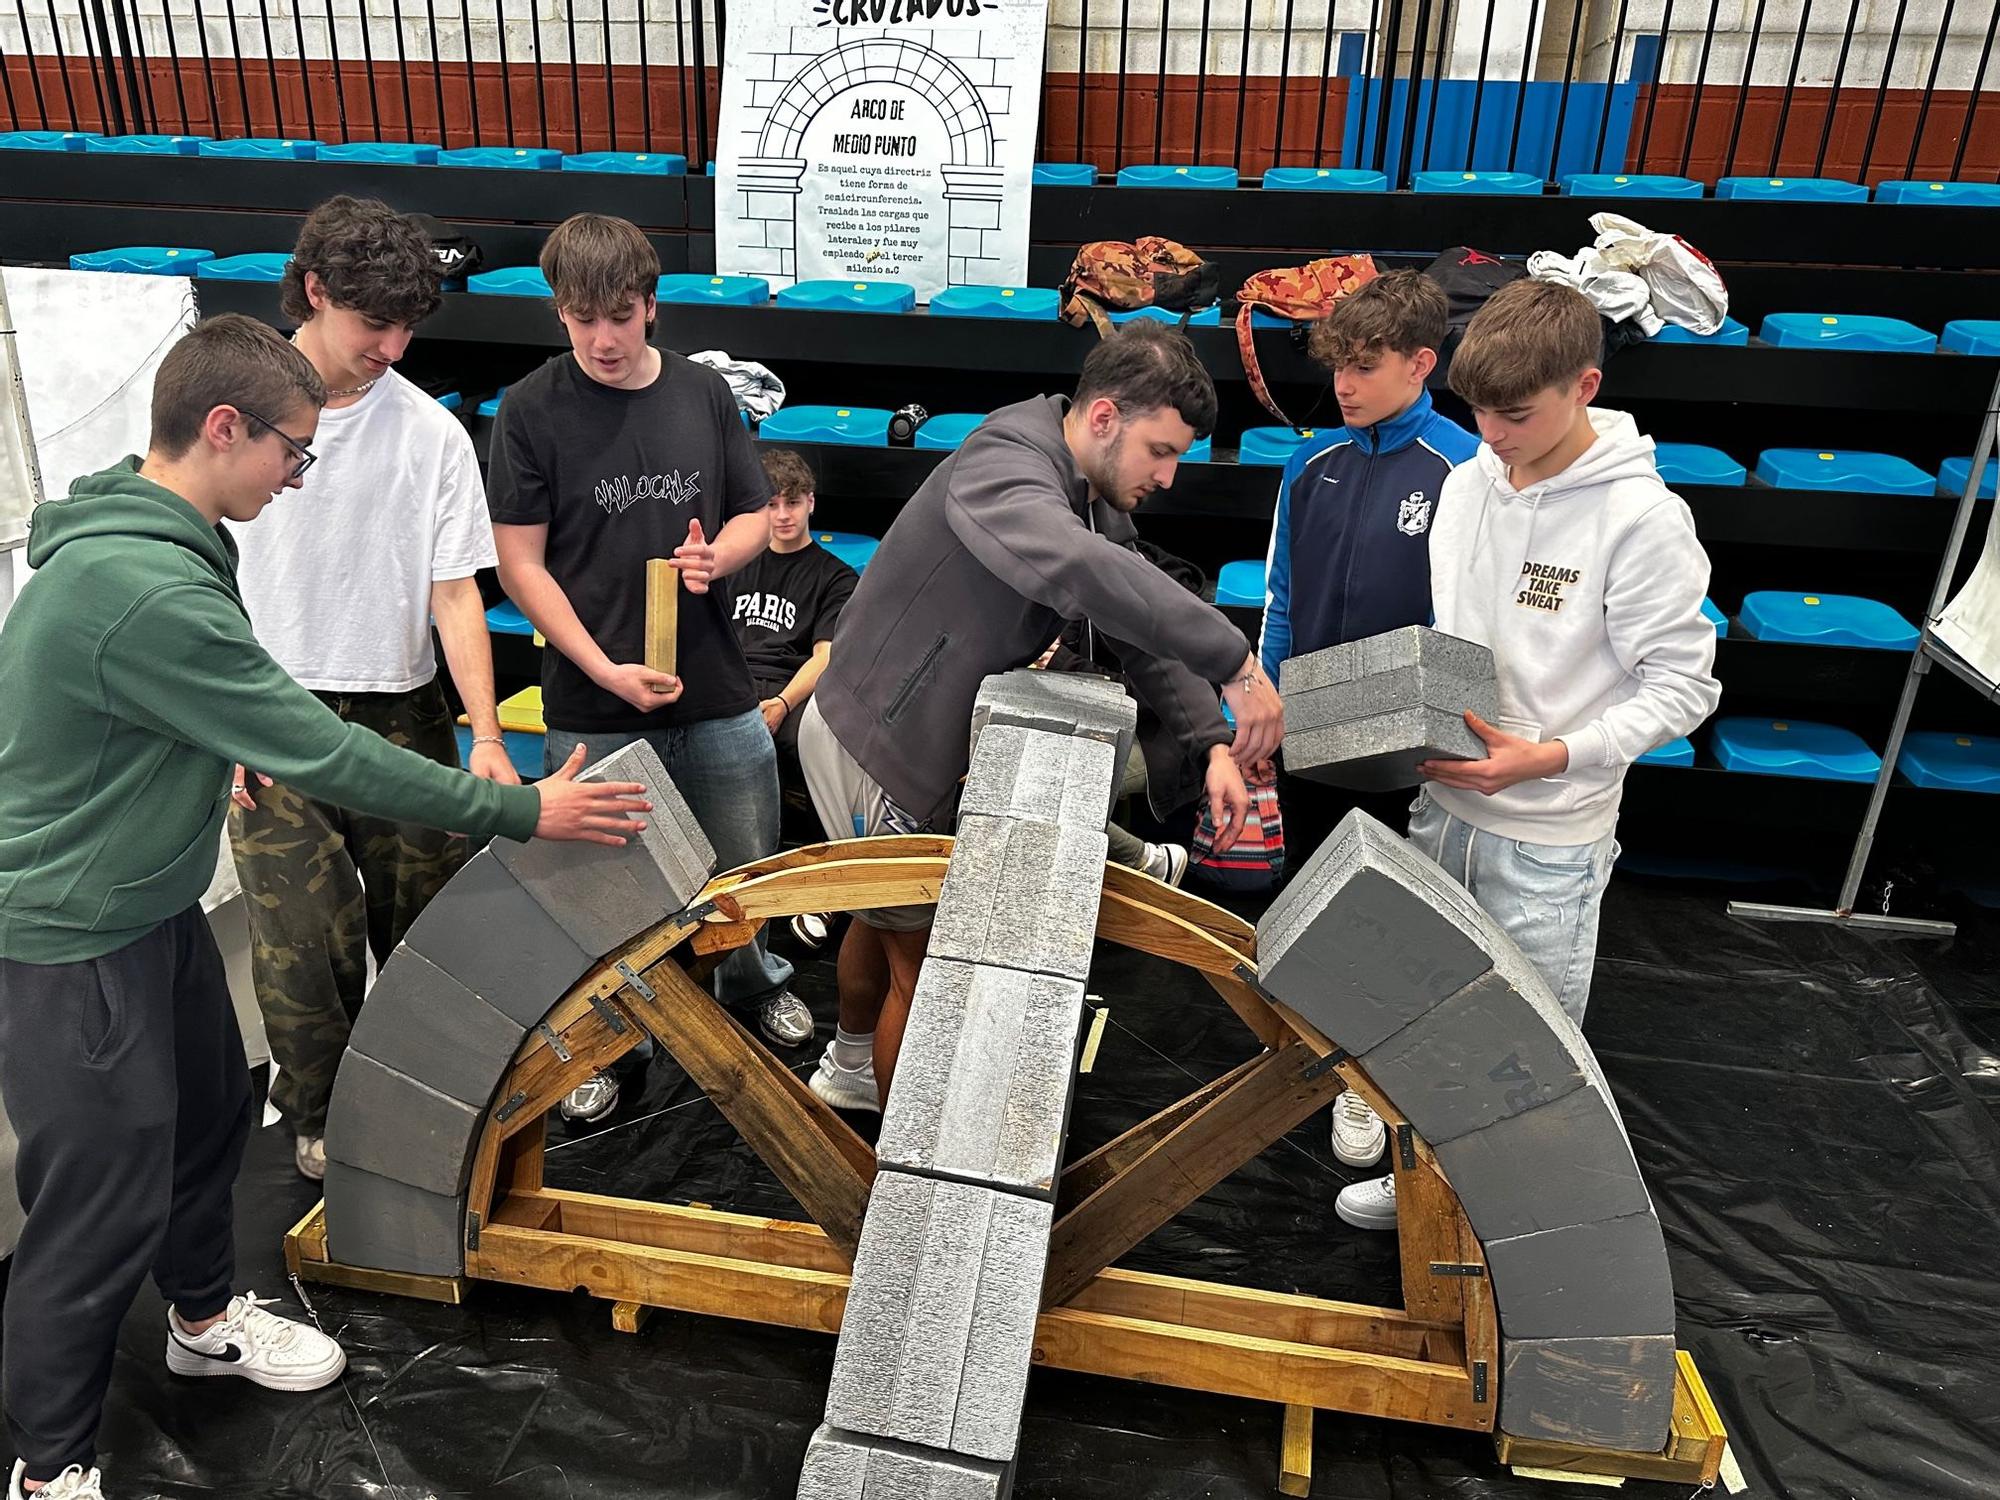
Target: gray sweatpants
column 125, row 1080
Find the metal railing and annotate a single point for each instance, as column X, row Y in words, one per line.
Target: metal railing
column 1856, row 88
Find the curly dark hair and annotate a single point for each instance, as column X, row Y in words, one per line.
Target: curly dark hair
column 371, row 259
column 1402, row 311
column 788, row 472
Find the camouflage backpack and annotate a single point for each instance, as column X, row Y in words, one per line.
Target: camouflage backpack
column 1122, row 277
column 1301, row 294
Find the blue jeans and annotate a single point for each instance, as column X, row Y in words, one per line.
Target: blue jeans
column 1544, row 896
column 727, row 770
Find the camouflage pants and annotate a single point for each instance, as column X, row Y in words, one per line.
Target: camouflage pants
column 324, row 887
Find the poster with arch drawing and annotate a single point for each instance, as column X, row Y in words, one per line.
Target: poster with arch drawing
column 879, row 140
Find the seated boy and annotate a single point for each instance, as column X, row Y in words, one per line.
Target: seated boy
column 1559, row 548
column 1350, row 550
column 788, row 599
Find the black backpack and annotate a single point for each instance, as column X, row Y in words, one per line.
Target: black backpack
column 457, row 255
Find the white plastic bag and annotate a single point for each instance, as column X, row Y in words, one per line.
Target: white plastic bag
column 1686, row 287
column 1617, row 295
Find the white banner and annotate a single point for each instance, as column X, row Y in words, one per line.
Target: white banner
column 1970, row 624
column 879, row 139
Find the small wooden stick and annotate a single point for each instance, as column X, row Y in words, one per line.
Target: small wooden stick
column 663, row 612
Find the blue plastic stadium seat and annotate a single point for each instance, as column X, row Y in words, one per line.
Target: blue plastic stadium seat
column 1953, row 473
column 1517, row 184
column 731, row 291
column 1826, row 620
column 1842, row 469
column 509, row 281
column 850, row 296
column 1972, row 336
column 1731, row 334
column 1200, row 451
column 709, row 169
column 382, row 153
column 490, row 407
column 505, row 618
column 1962, row 762
column 1269, row 445
column 1208, row 317
column 1037, row 303
column 1808, row 330
column 1956, row 194
column 1793, row 189
column 1793, row 747
column 262, row 148
column 1715, row 617
column 41, row 140
column 503, row 158
column 1324, row 180
column 947, row 429
column 262, row 265
column 1691, row 463
column 860, row 426
column 1629, row 185
column 143, row 260
column 524, row 750
column 1065, row 174
column 1165, row 175
column 635, row 163
column 1678, row 752
column 451, row 401
column 849, row 546
column 1240, row 585
column 145, row 145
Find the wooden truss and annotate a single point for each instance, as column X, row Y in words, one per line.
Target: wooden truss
column 1434, row 1360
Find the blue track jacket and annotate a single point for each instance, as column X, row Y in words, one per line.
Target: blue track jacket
column 1350, row 549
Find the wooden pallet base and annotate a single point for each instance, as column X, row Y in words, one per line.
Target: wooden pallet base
column 1693, row 1454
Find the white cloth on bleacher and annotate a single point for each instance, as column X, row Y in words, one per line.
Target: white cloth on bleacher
column 1686, row 287
column 755, row 388
column 1618, row 295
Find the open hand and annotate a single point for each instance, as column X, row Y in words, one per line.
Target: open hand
column 595, row 812
column 695, row 558
column 1509, row 761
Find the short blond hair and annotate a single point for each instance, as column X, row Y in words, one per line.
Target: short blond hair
column 1530, row 336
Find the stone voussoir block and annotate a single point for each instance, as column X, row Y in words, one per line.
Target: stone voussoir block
column 391, row 1124
column 423, row 1023
column 494, row 938
column 1021, row 895
column 853, row 1466
column 384, row 1225
column 1598, row 1392
column 1035, row 774
column 1373, row 710
column 1605, row 1279
column 1068, row 703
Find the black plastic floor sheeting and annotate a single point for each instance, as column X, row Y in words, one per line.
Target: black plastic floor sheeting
column 1818, row 1116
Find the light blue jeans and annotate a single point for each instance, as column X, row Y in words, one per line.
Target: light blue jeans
column 1544, row 896
column 727, row 769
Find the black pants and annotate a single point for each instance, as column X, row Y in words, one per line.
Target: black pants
column 125, row 1079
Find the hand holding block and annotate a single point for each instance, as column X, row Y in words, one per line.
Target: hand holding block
column 1365, row 714
column 663, row 615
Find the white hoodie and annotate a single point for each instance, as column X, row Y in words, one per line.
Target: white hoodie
column 1588, row 589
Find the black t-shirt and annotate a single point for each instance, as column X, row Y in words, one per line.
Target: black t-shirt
column 616, row 476
column 786, row 603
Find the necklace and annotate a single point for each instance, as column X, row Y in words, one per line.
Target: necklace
column 354, row 390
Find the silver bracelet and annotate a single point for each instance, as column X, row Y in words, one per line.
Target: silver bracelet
column 488, row 739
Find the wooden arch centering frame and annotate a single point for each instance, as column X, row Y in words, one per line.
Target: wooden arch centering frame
column 1433, row 1360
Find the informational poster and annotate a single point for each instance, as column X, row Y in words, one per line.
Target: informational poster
column 879, row 139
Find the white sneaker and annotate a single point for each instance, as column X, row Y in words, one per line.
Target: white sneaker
column 309, row 1156
column 74, row 1483
column 1359, row 1136
column 277, row 1353
column 1368, row 1205
column 592, row 1099
column 1166, row 862
column 811, row 928
column 845, row 1088
column 785, row 1020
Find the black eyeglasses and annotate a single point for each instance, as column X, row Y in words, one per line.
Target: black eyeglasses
column 306, row 457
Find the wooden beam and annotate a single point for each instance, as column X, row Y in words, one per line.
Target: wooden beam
column 1270, row 1097
column 1224, row 926
column 842, row 885
column 1295, row 1455
column 663, row 615
column 1427, row 1233
column 630, row 1317
column 1087, row 1174
column 815, row 1153
column 1692, row 1456
column 1129, row 921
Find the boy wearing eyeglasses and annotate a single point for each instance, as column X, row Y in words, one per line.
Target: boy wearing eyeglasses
column 342, row 586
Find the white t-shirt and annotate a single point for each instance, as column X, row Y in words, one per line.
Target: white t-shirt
column 337, row 575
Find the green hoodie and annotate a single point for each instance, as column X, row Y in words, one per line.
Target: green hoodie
column 129, row 682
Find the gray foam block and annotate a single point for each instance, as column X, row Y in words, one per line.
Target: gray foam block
column 1021, row 895
column 388, row 1123
column 994, row 1385
column 1381, row 753
column 1096, row 708
column 385, row 1225
column 1364, row 714
column 1603, row 1393
column 603, row 895
column 422, row 1022
column 1031, row 773
column 491, row 936
column 1566, row 1162
column 986, row 1076
column 853, row 1466
column 1589, row 1280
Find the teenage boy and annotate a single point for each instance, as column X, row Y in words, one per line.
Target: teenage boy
column 788, row 600
column 1350, row 550
column 342, row 588
column 1560, row 549
column 132, row 680
column 604, row 457
column 1026, row 526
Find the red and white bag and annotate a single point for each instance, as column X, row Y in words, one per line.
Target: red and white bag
column 1687, row 289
